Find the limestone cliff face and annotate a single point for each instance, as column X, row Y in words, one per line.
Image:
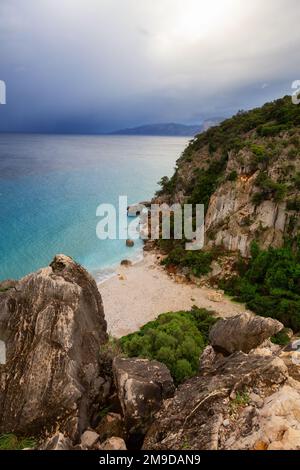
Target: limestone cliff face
column 247, row 173
column 52, row 324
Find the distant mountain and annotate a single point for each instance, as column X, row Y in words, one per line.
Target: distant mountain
column 168, row 129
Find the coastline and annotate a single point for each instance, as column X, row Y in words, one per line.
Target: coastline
column 139, row 293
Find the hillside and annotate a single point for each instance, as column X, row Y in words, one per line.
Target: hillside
column 168, row 129
column 247, row 173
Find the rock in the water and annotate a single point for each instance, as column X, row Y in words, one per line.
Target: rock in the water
column 242, row 332
column 195, row 416
column 89, row 439
column 57, row 442
column 111, row 425
column 53, row 326
column 113, row 443
column 126, row 262
column 142, row 386
column 129, row 243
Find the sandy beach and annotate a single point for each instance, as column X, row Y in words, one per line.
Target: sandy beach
column 139, row 293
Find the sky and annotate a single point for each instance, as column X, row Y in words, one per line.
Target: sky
column 92, row 66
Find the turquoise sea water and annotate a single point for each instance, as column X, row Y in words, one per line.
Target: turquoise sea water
column 50, row 187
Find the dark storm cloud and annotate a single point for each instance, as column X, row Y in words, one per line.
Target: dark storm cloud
column 96, row 65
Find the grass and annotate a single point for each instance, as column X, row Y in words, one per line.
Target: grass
column 12, row 442
column 242, row 399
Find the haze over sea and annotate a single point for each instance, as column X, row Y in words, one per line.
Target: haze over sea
column 51, row 186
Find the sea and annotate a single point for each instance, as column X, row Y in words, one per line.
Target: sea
column 51, row 186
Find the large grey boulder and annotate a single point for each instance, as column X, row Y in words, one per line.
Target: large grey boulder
column 52, row 324
column 142, row 386
column 242, row 332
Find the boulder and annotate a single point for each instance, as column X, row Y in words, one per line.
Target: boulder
column 242, row 332
column 142, row 386
column 126, row 262
column 111, row 425
column 129, row 243
column 89, row 439
column 113, row 443
column 52, row 324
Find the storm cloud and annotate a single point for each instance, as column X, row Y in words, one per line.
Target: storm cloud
column 96, row 65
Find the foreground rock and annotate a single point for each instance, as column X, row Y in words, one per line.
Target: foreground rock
column 194, row 418
column 53, row 326
column 111, row 425
column 242, row 332
column 57, row 442
column 113, row 443
column 142, row 386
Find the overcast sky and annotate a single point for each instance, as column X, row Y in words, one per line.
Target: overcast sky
column 99, row 65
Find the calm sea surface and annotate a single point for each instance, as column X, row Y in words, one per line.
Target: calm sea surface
column 50, row 187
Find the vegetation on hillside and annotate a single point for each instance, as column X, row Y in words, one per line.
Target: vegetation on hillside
column 241, row 131
column 176, row 339
column 270, row 284
column 264, row 142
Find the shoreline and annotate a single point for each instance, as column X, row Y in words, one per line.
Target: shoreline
column 139, row 293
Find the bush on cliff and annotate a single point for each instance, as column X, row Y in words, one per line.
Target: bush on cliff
column 270, row 284
column 176, row 339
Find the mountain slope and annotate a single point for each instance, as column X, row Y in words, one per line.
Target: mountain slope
column 247, row 173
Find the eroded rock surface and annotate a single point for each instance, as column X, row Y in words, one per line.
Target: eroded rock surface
column 142, row 386
column 194, row 418
column 242, row 332
column 53, row 326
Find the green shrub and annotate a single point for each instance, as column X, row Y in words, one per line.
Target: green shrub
column 282, row 338
column 198, row 261
column 12, row 442
column 270, row 188
column 270, row 284
column 232, row 176
column 176, row 339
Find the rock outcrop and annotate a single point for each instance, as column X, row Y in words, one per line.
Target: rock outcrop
column 247, row 178
column 142, row 386
column 194, row 418
column 239, row 402
column 52, row 324
column 242, row 332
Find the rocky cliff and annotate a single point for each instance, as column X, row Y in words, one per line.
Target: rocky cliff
column 52, row 324
column 64, row 383
column 247, row 173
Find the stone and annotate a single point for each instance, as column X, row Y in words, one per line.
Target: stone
column 242, row 332
column 256, row 399
column 89, row 439
column 57, row 442
column 126, row 263
column 277, row 423
column 129, row 243
column 113, row 443
column 142, row 386
column 215, row 297
column 207, row 359
column 111, row 425
column 226, row 423
column 53, row 327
